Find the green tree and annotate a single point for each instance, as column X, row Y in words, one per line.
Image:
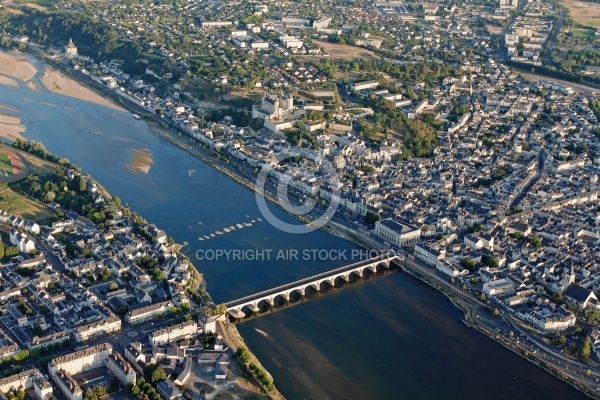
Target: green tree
column 113, row 286
column 584, row 347
column 158, row 374
column 372, row 217
column 37, row 330
column 558, row 298
column 135, row 390
column 81, row 184
column 468, row 264
column 536, row 242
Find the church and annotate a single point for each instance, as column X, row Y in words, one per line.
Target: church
column 70, row 49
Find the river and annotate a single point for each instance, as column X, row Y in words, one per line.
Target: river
column 388, row 337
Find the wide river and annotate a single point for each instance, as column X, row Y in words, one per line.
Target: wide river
column 389, row 337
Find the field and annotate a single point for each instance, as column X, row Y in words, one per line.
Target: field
column 583, row 13
column 6, row 167
column 21, row 206
column 583, row 32
column 37, row 4
column 345, row 51
column 16, row 165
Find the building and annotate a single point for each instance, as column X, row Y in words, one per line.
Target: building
column 8, row 348
column 169, row 334
column 207, row 323
column 82, row 360
column 121, row 369
column 215, row 24
column 48, row 340
column 70, row 49
column 397, row 232
column 168, row 390
column 147, row 313
column 96, row 328
column 321, row 23
column 67, row 385
column 499, row 287
column 274, row 106
column 356, row 86
column 581, row 296
column 30, row 379
column 23, row 243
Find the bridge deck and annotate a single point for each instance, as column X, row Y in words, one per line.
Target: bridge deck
column 307, row 280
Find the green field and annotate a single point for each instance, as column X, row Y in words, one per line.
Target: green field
column 5, row 165
column 583, row 32
column 43, row 3
column 23, row 207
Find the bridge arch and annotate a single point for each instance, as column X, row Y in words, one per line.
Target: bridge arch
column 238, row 308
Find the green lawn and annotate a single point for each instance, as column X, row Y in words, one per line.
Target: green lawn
column 583, row 32
column 44, row 3
column 16, row 204
column 5, row 164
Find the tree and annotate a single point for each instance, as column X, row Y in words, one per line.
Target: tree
column 536, row 242
column 157, row 274
column 496, row 312
column 104, row 275
column 158, row 374
column 37, row 330
column 117, row 201
column 372, row 217
column 468, row 264
column 489, row 261
column 558, row 298
column 21, row 355
column 113, row 286
column 558, row 339
column 243, row 354
column 584, row 347
column 81, row 184
column 135, row 390
column 49, row 197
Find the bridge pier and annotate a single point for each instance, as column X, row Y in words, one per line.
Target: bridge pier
column 301, row 286
column 236, row 313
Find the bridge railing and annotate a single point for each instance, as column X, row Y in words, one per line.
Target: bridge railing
column 308, row 279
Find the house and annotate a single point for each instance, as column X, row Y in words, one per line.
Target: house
column 581, row 296
column 168, row 390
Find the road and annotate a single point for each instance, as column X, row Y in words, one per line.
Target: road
column 551, row 41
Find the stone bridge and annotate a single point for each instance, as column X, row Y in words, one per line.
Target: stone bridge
column 234, row 308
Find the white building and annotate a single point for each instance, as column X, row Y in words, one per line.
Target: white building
column 101, row 327
column 23, row 243
column 144, row 314
column 396, row 232
column 169, row 334
column 30, row 379
column 82, row 360
column 215, row 24
column 121, row 369
column 499, row 287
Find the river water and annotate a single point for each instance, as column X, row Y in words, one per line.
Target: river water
column 389, row 337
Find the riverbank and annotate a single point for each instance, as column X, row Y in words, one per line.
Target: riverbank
column 15, row 65
column 10, row 126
